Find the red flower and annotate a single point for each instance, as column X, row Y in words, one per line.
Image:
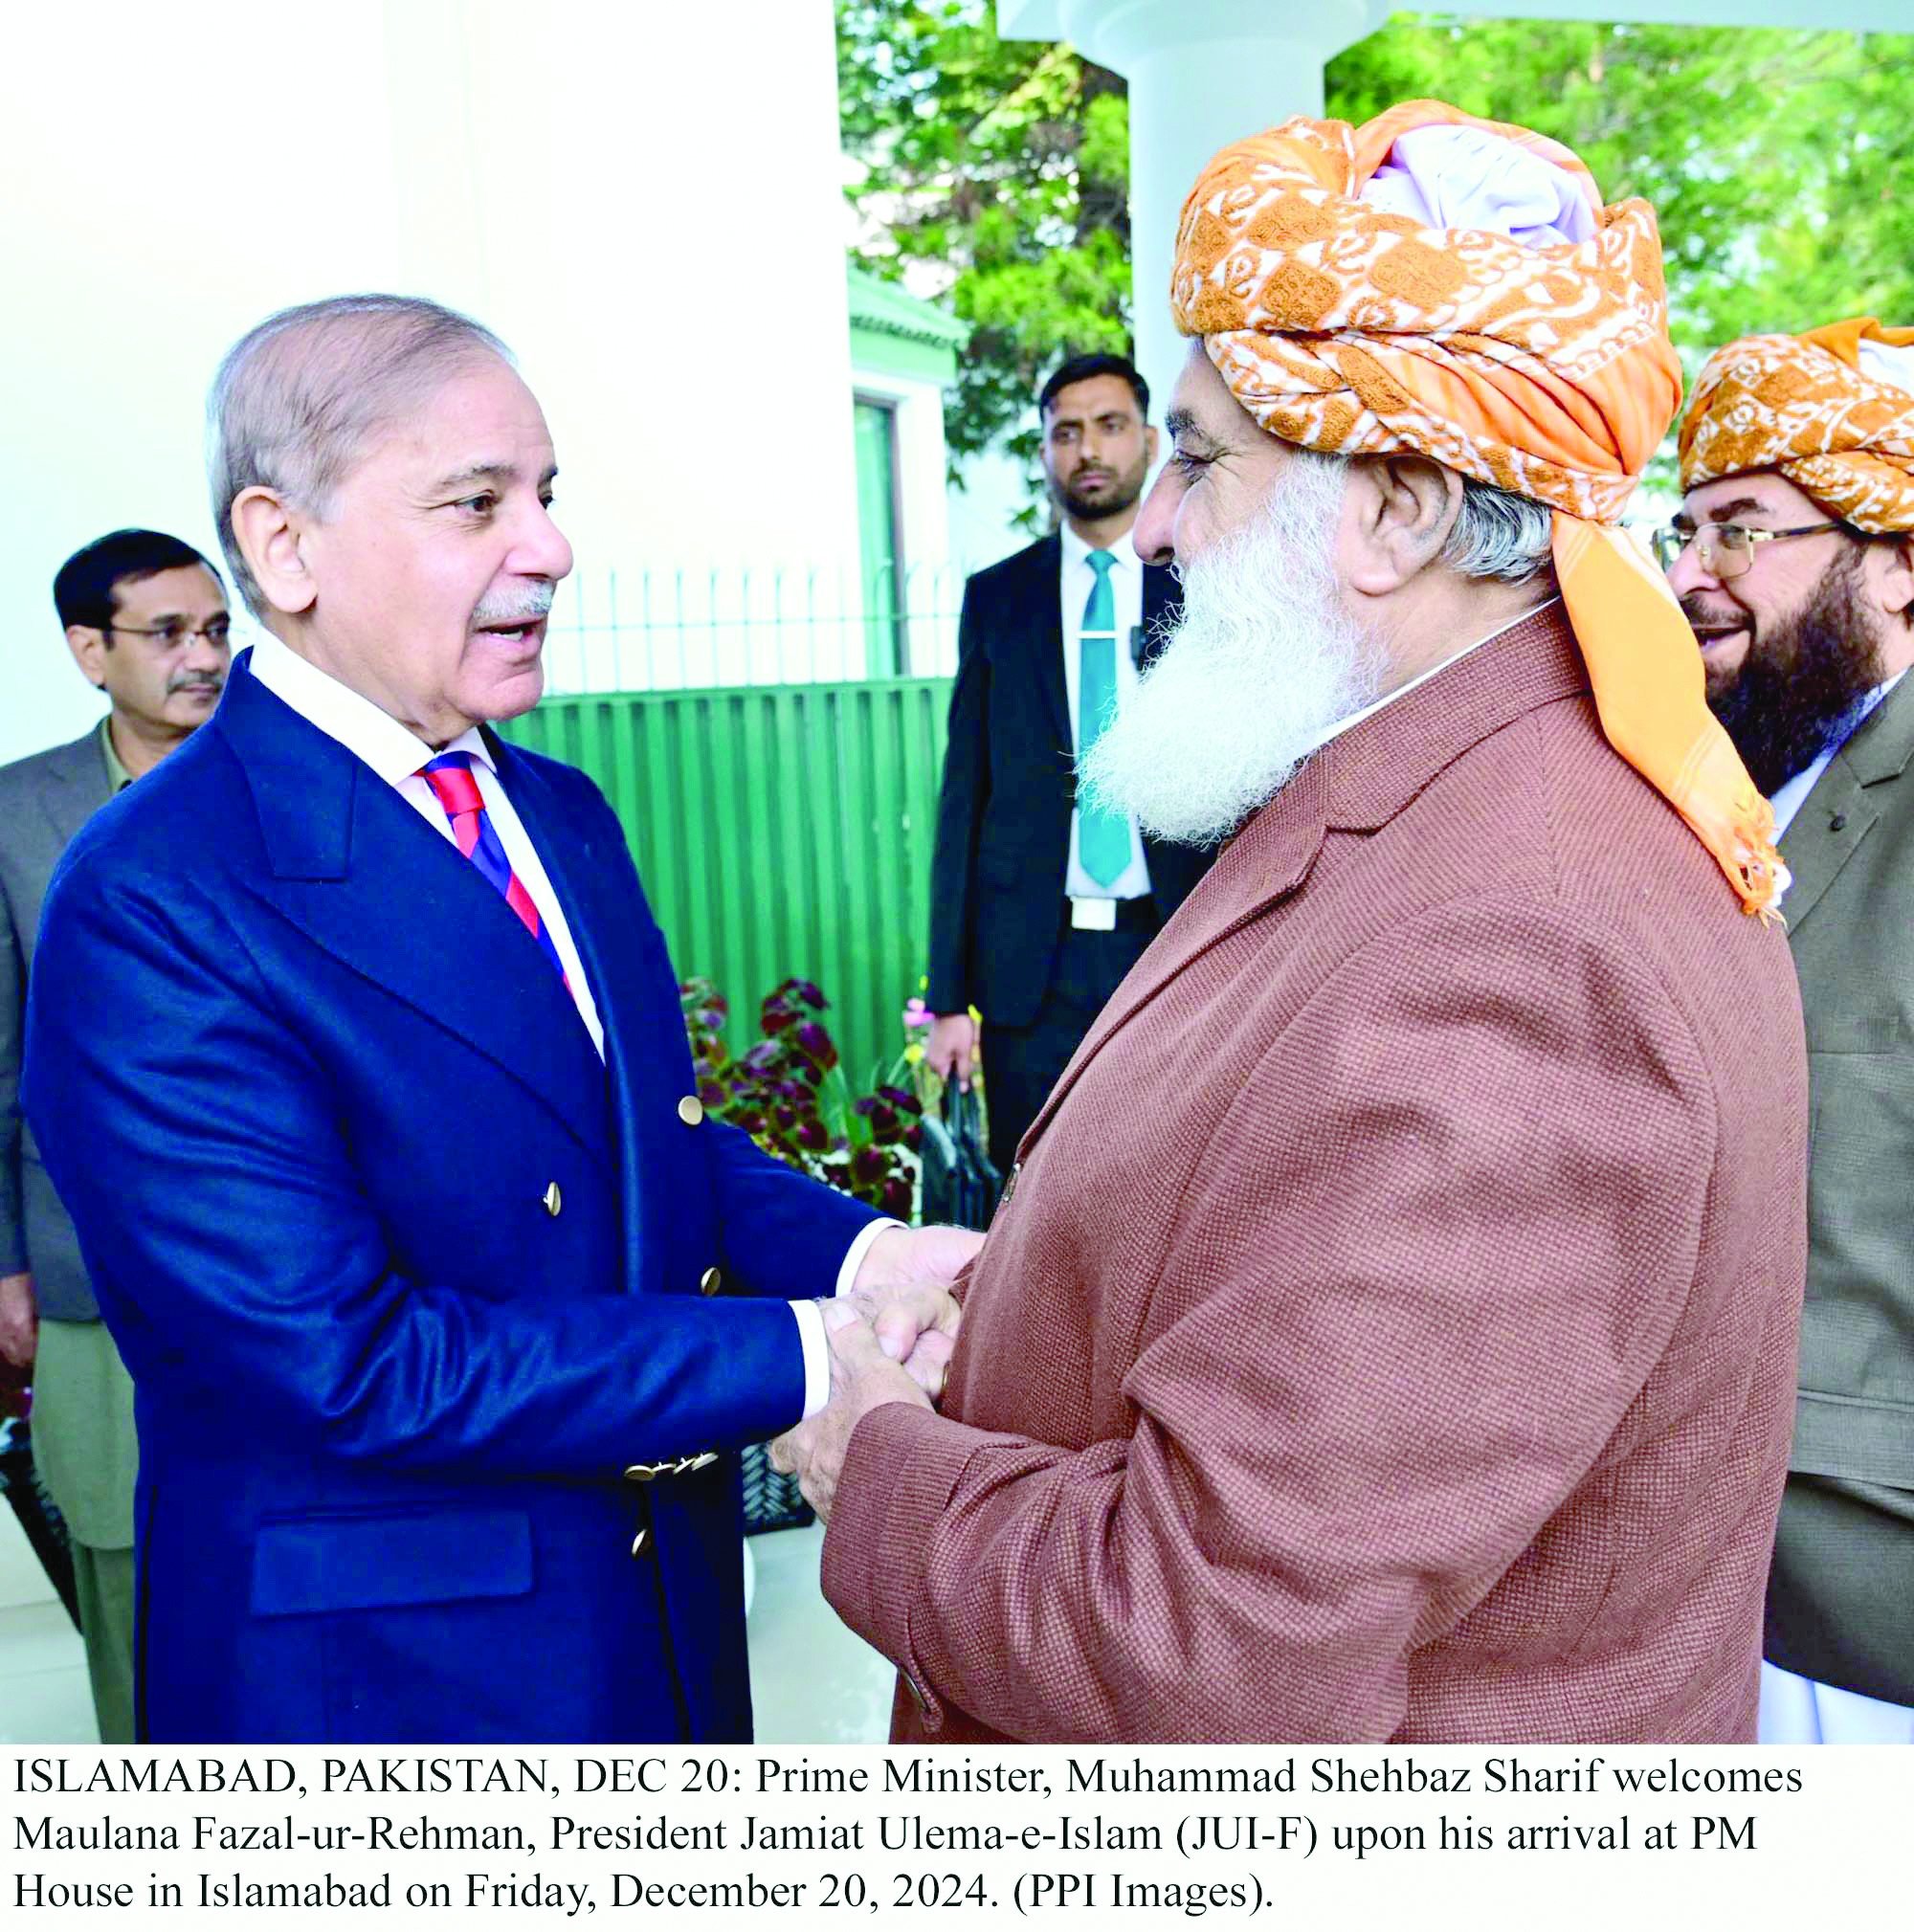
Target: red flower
column 816, row 1045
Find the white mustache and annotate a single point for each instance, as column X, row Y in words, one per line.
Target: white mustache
column 520, row 607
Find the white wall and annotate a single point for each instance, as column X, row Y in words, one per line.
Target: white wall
column 642, row 199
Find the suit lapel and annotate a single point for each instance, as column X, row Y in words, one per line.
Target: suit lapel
column 1838, row 812
column 1262, row 865
column 1043, row 597
column 1832, row 820
column 80, row 787
column 626, row 968
column 358, row 870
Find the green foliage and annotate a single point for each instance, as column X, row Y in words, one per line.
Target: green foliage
column 1775, row 161
column 789, row 1093
column 1005, row 163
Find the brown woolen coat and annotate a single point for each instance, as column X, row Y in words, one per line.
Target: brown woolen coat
column 1391, row 1332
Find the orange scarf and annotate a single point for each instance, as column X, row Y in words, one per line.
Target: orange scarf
column 1543, row 370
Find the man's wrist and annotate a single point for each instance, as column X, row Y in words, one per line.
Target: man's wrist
column 817, row 1347
column 860, row 1251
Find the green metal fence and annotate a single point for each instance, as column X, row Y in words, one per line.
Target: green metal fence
column 779, row 830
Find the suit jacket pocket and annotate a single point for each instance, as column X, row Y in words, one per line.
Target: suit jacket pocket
column 1861, row 1441
column 1856, row 1033
column 350, row 1562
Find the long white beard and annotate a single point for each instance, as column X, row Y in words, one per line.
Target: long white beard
column 1265, row 660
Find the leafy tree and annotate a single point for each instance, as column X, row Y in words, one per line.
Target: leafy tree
column 1001, row 170
column 1775, row 161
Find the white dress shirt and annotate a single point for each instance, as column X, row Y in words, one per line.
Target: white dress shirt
column 395, row 755
column 1075, row 581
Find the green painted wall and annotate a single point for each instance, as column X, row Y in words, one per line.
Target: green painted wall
column 778, row 829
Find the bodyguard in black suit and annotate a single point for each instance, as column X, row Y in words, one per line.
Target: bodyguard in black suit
column 1038, row 910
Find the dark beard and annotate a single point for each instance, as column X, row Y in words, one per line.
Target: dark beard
column 1800, row 683
column 1125, row 492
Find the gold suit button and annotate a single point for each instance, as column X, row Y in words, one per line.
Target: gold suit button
column 710, row 1281
column 638, row 1543
column 553, row 1199
column 691, row 1110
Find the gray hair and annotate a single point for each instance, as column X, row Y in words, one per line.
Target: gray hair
column 1497, row 534
column 297, row 397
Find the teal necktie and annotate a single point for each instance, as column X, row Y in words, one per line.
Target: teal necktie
column 1103, row 836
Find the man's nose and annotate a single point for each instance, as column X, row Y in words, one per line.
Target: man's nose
column 541, row 551
column 203, row 655
column 1153, row 536
column 1685, row 573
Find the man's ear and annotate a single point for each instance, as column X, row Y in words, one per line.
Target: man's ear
column 88, row 644
column 1150, row 441
column 1402, row 509
column 268, row 530
column 1895, row 585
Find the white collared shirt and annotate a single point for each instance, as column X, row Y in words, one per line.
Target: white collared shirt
column 1790, row 797
column 1075, row 581
column 379, row 741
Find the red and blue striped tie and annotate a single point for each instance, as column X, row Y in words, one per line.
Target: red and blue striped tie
column 453, row 784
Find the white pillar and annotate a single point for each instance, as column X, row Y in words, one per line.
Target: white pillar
column 1201, row 74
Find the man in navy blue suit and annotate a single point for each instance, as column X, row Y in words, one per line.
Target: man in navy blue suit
column 355, row 1053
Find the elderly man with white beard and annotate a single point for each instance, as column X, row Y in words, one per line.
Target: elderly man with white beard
column 1388, row 1328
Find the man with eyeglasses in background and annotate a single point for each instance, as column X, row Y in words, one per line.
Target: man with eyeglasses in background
column 1793, row 559
column 146, row 620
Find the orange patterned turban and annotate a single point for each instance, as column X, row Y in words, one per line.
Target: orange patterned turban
column 1454, row 287
column 1832, row 410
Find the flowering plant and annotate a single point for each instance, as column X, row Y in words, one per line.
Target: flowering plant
column 789, row 1093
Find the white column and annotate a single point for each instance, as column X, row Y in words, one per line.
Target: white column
column 1201, row 74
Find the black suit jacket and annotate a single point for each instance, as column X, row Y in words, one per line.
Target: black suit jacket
column 1010, row 785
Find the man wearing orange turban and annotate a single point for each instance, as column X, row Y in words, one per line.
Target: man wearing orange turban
column 1388, row 1328
column 1794, row 558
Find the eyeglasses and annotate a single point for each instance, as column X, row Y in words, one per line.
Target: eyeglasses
column 218, row 633
column 1725, row 549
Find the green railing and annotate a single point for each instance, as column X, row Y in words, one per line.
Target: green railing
column 779, row 830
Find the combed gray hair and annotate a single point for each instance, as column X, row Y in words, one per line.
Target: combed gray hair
column 297, row 397
column 1497, row 534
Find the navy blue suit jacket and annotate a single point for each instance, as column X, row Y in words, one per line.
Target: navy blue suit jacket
column 305, row 1082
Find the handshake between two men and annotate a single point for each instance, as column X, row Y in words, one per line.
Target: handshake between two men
column 891, row 1337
